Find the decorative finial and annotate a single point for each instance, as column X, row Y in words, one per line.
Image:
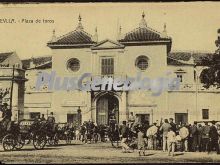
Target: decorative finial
column 143, row 15
column 165, row 27
column 143, row 23
column 79, row 27
column 95, row 36
column 164, row 33
column 119, row 37
column 54, row 36
column 80, row 18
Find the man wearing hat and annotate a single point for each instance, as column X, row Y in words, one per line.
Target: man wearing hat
column 124, row 130
column 205, row 136
column 213, row 138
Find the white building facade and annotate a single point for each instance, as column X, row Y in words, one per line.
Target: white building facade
column 143, row 50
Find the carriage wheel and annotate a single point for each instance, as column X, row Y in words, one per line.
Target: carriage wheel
column 8, row 142
column 19, row 142
column 39, row 141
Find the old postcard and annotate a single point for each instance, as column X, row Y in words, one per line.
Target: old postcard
column 110, row 82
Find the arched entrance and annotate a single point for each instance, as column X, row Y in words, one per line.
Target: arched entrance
column 107, row 106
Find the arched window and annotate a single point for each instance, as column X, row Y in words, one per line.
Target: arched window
column 73, row 64
column 142, row 62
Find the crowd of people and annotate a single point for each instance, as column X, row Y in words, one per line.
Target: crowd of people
column 171, row 137
column 166, row 136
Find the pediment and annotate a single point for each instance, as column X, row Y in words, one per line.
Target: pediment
column 108, row 44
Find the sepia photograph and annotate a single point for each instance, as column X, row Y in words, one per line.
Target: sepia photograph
column 91, row 83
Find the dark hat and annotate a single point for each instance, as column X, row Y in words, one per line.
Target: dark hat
column 5, row 104
column 213, row 121
column 124, row 122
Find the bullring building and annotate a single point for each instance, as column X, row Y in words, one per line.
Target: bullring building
column 142, row 50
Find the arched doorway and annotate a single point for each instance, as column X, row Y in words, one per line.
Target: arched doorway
column 107, row 106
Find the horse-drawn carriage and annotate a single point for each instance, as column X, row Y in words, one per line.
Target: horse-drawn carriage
column 65, row 132
column 16, row 135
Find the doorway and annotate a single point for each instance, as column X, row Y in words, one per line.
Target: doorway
column 143, row 118
column 181, row 118
column 107, row 108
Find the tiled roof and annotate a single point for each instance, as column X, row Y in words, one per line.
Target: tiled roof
column 172, row 61
column 76, row 37
column 143, row 34
column 36, row 61
column 178, row 58
column 146, row 35
column 4, row 56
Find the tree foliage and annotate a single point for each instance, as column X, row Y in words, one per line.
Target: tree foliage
column 211, row 75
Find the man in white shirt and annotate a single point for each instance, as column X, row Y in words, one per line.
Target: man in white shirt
column 184, row 133
column 171, row 140
column 152, row 136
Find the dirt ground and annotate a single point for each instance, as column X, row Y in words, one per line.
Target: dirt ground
column 98, row 153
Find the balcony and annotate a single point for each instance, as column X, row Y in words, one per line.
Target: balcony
column 6, row 73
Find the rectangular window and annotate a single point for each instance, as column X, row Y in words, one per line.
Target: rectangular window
column 72, row 118
column 107, row 66
column 205, row 113
column 180, row 76
column 34, row 115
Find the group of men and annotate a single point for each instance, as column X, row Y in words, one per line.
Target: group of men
column 169, row 136
column 192, row 137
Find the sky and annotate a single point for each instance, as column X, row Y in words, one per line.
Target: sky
column 192, row 25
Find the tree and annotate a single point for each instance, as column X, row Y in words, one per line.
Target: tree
column 3, row 93
column 211, row 75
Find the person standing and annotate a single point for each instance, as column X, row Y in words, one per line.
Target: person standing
column 152, row 136
column 6, row 115
column 165, row 128
column 42, row 118
column 199, row 137
column 205, row 137
column 173, row 125
column 171, row 140
column 184, row 133
column 124, row 135
column 142, row 139
column 189, row 126
column 194, row 133
column 213, row 135
column 51, row 118
column 131, row 119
